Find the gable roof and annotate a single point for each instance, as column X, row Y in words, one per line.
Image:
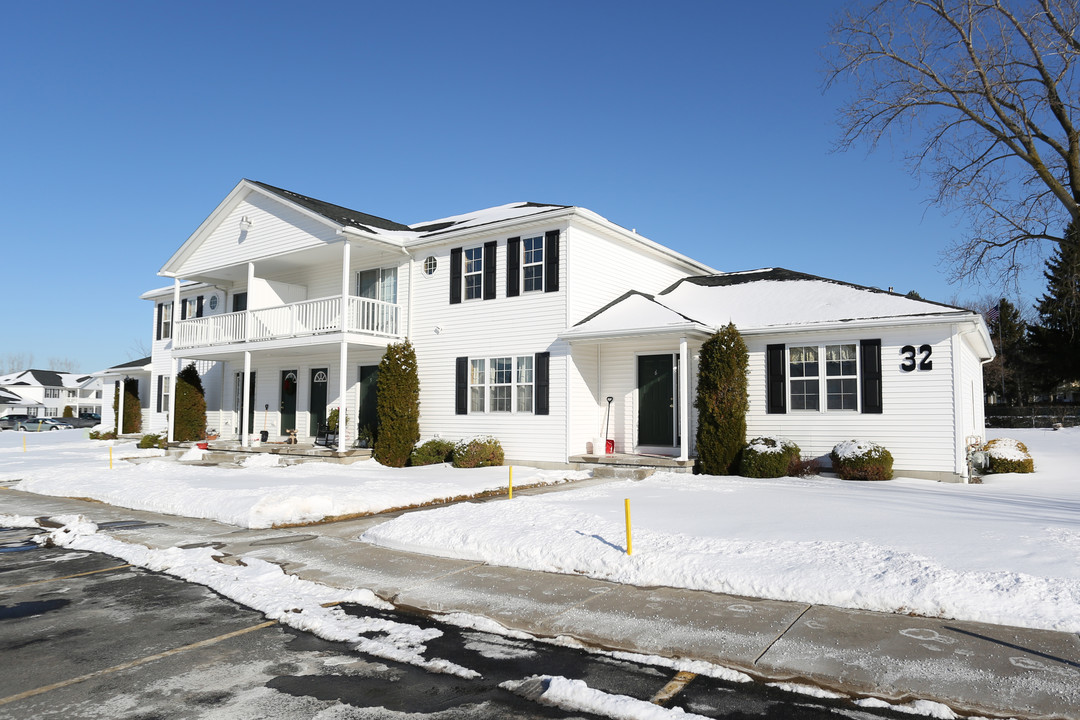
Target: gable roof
column 336, row 213
column 35, row 378
column 758, row 301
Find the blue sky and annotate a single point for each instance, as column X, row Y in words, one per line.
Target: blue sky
column 701, row 124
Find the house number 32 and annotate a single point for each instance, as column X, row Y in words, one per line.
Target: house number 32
column 924, row 363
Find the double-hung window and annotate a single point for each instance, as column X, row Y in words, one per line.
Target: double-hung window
column 839, row 382
column 501, row 384
column 474, row 273
column 165, row 321
column 52, row 393
column 532, row 263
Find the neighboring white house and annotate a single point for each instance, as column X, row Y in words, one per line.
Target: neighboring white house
column 45, row 393
column 134, row 377
column 526, row 318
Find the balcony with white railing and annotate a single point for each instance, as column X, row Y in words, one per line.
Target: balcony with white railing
column 364, row 316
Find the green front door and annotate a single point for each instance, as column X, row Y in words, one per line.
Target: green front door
column 369, row 411
column 656, row 400
column 317, row 404
column 287, row 407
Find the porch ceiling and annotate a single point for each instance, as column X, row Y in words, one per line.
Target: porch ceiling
column 364, row 255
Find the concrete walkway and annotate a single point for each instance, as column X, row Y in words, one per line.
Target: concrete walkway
column 974, row 668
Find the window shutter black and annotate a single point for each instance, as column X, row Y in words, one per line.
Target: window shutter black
column 870, row 361
column 513, row 267
column 183, row 309
column 489, row 270
column 455, row 276
column 160, row 317
column 551, row 261
column 775, row 389
column 543, row 360
column 461, row 386
column 160, row 389
column 199, row 306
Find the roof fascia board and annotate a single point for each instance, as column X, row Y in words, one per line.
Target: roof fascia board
column 696, row 329
column 350, row 233
column 211, row 223
column 184, row 287
column 879, row 322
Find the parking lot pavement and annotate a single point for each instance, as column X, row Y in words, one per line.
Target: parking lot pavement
column 83, row 635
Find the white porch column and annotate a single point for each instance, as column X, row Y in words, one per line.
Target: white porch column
column 247, row 313
column 346, row 261
column 120, row 410
column 684, row 400
column 171, row 422
column 245, row 400
column 343, row 356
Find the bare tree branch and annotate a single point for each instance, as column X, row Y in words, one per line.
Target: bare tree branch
column 989, row 91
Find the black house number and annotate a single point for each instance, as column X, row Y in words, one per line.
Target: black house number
column 924, row 363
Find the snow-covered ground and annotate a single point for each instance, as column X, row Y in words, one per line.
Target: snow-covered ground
column 1006, row 551
column 263, row 494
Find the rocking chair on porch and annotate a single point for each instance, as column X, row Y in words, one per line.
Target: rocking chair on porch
column 326, row 437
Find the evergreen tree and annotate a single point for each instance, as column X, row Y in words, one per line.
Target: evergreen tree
column 1056, row 338
column 722, row 402
column 189, row 405
column 69, row 412
column 398, row 405
column 132, row 407
column 1008, row 374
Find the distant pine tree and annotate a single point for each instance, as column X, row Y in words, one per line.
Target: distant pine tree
column 1056, row 339
column 1009, row 372
column 722, row 402
column 398, row 405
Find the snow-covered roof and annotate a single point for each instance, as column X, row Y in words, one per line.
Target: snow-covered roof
column 8, row 397
column 168, row 289
column 757, row 301
column 42, row 378
column 140, row 365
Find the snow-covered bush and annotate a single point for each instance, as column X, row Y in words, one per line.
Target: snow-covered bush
column 433, row 452
column 478, row 452
column 861, row 460
column 767, row 457
column 1008, row 456
column 152, row 441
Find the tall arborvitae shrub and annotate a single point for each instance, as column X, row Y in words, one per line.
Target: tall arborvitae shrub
column 132, row 407
column 69, row 412
column 721, row 402
column 398, row 406
column 190, row 406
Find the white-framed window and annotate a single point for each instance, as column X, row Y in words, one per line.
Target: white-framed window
column 431, row 264
column 377, row 284
column 501, row 384
column 51, row 412
column 473, row 273
column 532, row 264
column 52, row 393
column 32, row 412
column 71, row 393
column 166, row 321
column 166, row 383
column 837, row 379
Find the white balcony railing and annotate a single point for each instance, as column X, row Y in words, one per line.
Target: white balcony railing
column 309, row 317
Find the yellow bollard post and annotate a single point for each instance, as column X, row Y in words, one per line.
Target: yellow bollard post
column 511, row 482
column 24, row 443
column 110, row 457
column 629, row 544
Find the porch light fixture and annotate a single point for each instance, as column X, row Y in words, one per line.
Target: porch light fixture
column 245, row 223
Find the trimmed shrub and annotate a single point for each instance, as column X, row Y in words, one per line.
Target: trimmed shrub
column 861, row 460
column 398, row 405
column 152, row 441
column 478, row 452
column 190, row 406
column 768, row 457
column 69, row 412
column 433, row 452
column 804, row 468
column 1008, row 456
column 132, row 408
column 99, row 435
column 721, row 402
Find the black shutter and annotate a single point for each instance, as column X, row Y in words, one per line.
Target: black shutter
column 461, row 386
column 183, row 309
column 199, row 306
column 543, row 360
column 160, row 389
column 160, row 307
column 489, row 270
column 455, row 276
column 551, row 261
column 870, row 362
column 513, row 267
column 775, row 386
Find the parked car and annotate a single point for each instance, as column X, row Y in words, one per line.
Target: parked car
column 12, row 422
column 43, row 424
column 84, row 420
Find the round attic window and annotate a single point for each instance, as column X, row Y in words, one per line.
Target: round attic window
column 213, row 302
column 430, row 265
